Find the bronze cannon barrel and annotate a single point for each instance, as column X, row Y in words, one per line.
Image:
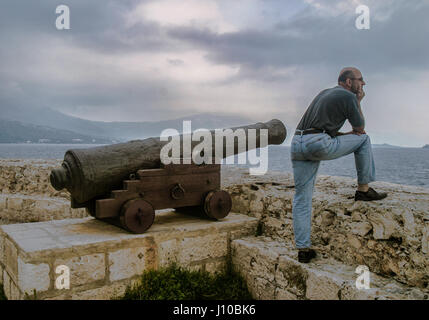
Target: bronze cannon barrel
column 94, row 172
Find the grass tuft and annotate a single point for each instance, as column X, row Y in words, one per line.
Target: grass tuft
column 175, row 283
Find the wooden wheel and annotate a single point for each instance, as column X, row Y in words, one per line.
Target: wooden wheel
column 217, row 204
column 137, row 215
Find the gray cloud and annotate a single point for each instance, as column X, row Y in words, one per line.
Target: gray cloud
column 310, row 38
column 106, row 67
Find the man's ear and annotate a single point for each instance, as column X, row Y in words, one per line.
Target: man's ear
column 348, row 83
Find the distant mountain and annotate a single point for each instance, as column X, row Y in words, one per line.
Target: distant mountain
column 385, row 145
column 18, row 132
column 140, row 130
column 118, row 130
column 426, row 146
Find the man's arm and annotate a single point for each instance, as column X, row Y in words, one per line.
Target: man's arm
column 350, row 132
column 356, row 130
column 359, row 130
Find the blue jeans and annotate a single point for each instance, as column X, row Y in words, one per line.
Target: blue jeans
column 306, row 153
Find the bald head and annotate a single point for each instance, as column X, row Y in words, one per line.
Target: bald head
column 348, row 73
column 351, row 79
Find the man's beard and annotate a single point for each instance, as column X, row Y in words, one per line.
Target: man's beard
column 355, row 90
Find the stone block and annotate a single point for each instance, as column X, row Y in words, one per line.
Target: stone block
column 78, row 213
column 262, row 289
column 1, row 274
column 323, row 286
column 2, row 240
column 167, row 252
column 203, row 247
column 14, row 204
column 106, row 292
column 291, row 276
column 33, row 277
column 126, row 263
column 281, row 294
column 15, row 294
column 11, row 258
column 84, row 269
column 47, row 209
column 246, row 231
column 6, row 284
column 241, row 256
column 263, row 264
column 3, row 203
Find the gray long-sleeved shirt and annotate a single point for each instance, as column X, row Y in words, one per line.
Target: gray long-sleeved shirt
column 330, row 109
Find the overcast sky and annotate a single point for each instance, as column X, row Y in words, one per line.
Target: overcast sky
column 155, row 60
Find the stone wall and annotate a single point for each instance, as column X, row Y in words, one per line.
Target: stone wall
column 26, row 194
column 19, row 208
column 103, row 259
column 390, row 236
column 29, row 177
column 272, row 272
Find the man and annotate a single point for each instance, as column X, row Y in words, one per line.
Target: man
column 317, row 138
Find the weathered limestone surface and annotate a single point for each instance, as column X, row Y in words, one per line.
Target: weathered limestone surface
column 104, row 259
column 15, row 208
column 28, row 177
column 389, row 236
column 26, row 194
column 273, row 272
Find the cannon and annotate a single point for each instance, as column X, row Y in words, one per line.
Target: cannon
column 123, row 184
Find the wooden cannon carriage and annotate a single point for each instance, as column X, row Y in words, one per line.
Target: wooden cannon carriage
column 191, row 188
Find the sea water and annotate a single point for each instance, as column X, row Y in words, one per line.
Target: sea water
column 409, row 166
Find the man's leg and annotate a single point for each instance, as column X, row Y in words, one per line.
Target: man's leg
column 304, row 173
column 364, row 159
column 365, row 166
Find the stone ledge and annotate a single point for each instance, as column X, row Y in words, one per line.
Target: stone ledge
column 29, row 176
column 103, row 258
column 21, row 208
column 272, row 271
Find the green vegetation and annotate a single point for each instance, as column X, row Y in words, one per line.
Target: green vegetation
column 175, row 283
column 2, row 295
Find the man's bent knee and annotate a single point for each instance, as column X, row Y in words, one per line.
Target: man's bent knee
column 367, row 138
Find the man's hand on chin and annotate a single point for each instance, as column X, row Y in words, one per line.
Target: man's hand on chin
column 360, row 95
